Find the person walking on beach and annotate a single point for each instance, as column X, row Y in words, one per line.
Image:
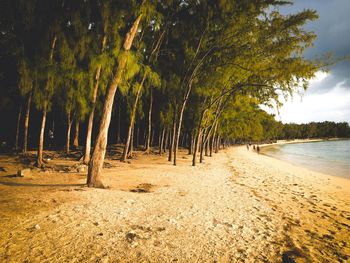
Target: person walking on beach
column 254, row 147
column 258, row 149
column 248, row 147
column 51, row 138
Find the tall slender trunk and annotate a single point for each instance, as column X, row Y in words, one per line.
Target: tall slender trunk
column 92, row 112
column 188, row 91
column 182, row 110
column 98, row 155
column 131, row 148
column 217, row 146
column 39, row 161
column 149, row 121
column 132, row 120
column 166, row 140
column 69, row 126
column 202, row 142
column 196, row 145
column 212, row 144
column 161, row 142
column 91, row 120
column 206, row 152
column 138, row 134
column 76, row 135
column 171, row 148
column 26, row 124
column 118, row 124
column 17, row 127
column 198, row 138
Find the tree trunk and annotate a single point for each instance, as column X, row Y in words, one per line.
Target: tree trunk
column 217, row 144
column 118, row 124
column 69, row 126
column 152, row 139
column 213, row 140
column 131, row 148
column 202, row 142
column 26, row 124
column 190, row 145
column 132, row 120
column 98, row 155
column 196, row 145
column 92, row 112
column 178, row 131
column 17, row 127
column 76, row 135
column 39, row 161
column 138, row 134
column 91, row 119
column 149, row 121
column 166, row 140
column 177, row 134
column 161, row 142
column 172, row 143
column 198, row 138
column 206, row 152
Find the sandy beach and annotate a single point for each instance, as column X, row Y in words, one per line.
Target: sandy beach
column 237, row 206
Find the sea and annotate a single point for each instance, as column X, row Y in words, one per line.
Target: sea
column 330, row 157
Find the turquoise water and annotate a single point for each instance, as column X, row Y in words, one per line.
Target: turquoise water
column 330, row 157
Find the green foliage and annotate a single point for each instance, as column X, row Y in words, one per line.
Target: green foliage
column 25, row 77
column 223, row 58
column 131, row 69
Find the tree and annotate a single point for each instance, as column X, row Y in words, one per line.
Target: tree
column 96, row 162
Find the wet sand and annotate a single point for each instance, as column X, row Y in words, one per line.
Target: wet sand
column 237, row 206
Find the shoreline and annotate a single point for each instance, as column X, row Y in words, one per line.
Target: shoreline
column 312, row 168
column 338, row 179
column 281, row 142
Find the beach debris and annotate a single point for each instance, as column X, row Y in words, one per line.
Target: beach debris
column 23, row 172
column 107, row 165
column 142, row 188
column 37, row 227
column 2, row 169
column 81, row 168
column 131, row 236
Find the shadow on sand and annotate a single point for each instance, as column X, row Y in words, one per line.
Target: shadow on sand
column 41, row 185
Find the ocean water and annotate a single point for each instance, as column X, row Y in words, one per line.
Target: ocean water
column 329, row 157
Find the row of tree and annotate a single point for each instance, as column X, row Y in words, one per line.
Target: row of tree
column 185, row 72
column 324, row 129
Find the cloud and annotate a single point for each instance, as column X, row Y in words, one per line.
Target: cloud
column 332, row 105
column 328, row 97
column 333, row 31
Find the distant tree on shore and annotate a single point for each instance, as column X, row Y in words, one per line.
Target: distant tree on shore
column 324, row 129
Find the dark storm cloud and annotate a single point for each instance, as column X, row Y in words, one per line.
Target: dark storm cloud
column 333, row 31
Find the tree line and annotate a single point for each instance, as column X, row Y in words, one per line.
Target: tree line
column 324, row 129
column 168, row 73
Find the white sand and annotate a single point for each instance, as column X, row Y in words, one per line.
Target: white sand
column 236, row 207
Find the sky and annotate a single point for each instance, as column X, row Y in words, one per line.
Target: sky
column 328, row 96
